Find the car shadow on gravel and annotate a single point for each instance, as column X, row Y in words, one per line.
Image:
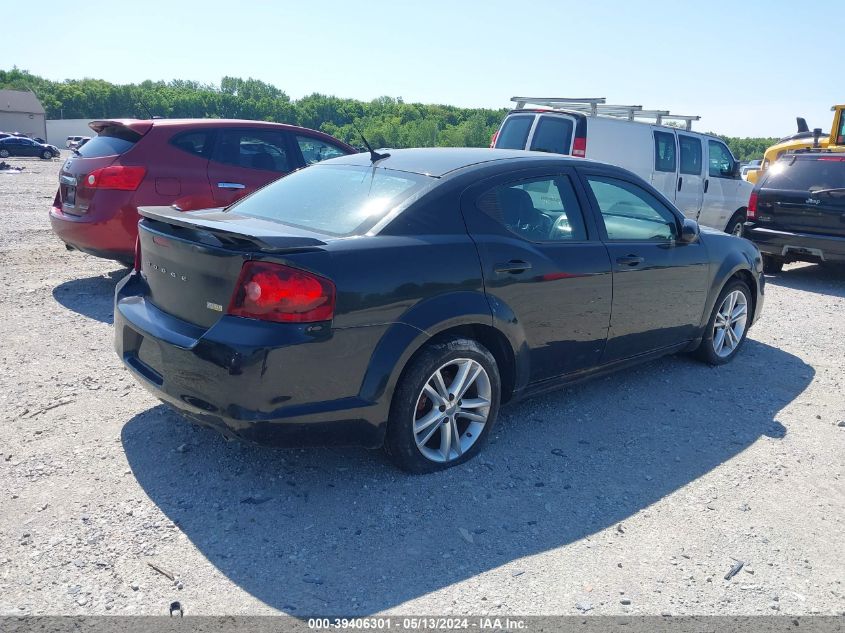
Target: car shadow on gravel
column 825, row 280
column 341, row 531
column 92, row 297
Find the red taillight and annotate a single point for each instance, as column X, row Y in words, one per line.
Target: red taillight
column 751, row 213
column 138, row 253
column 493, row 138
column 272, row 292
column 121, row 177
column 579, row 147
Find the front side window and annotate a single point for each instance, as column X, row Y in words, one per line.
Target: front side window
column 264, row 150
column 664, row 152
column 514, row 132
column 721, row 160
column 690, row 154
column 538, row 210
column 315, row 150
column 630, row 212
column 337, row 200
column 553, row 134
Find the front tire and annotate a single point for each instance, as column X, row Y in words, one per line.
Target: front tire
column 46, row 154
column 444, row 406
column 728, row 324
column 772, row 265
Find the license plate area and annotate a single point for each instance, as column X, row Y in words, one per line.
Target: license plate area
column 69, row 195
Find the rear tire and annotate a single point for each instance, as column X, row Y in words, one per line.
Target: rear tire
column 728, row 324
column 736, row 224
column 425, row 416
column 4, row 153
column 772, row 264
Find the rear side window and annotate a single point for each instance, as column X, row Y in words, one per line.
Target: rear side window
column 827, row 172
column 664, row 152
column 514, row 132
column 690, row 154
column 112, row 141
column 553, row 134
column 264, row 150
column 197, row 143
column 539, row 210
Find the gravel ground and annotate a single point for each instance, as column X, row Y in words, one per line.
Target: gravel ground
column 635, row 493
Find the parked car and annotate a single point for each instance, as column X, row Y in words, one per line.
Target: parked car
column 22, row 146
column 754, row 164
column 75, row 142
column 398, row 302
column 697, row 172
column 797, row 210
column 192, row 163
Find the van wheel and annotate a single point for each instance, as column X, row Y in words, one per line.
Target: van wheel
column 736, row 224
column 444, row 406
column 772, row 264
column 728, row 324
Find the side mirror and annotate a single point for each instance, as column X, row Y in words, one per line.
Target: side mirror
column 737, row 172
column 689, row 231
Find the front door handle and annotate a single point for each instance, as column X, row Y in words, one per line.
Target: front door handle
column 680, row 182
column 230, row 185
column 514, row 267
column 630, row 260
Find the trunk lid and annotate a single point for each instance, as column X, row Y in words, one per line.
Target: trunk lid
column 114, row 138
column 192, row 261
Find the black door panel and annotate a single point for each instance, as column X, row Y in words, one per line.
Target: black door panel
column 538, row 259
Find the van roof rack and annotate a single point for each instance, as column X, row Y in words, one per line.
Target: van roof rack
column 597, row 106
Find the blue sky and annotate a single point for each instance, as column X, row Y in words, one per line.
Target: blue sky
column 740, row 65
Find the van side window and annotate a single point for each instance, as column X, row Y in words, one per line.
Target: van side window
column 553, row 134
column 721, row 160
column 664, row 152
column 539, row 210
column 514, row 132
column 690, row 154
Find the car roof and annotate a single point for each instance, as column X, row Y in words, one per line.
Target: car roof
column 811, row 155
column 440, row 161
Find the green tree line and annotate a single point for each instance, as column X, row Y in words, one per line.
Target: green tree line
column 386, row 121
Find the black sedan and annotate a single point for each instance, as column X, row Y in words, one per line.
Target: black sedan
column 397, row 300
column 23, row 146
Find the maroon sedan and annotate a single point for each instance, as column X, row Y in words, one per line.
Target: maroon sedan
column 189, row 163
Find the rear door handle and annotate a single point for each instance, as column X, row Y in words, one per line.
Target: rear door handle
column 680, row 182
column 514, row 267
column 230, row 185
column 630, row 260
column 706, row 185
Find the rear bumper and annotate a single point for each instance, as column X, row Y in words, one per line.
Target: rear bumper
column 267, row 383
column 796, row 246
column 110, row 234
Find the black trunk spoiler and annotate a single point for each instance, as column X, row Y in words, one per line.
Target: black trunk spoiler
column 232, row 229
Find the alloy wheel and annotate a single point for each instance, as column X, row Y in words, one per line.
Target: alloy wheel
column 451, row 410
column 737, row 229
column 730, row 322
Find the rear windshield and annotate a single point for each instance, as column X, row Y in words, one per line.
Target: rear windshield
column 553, row 134
column 826, row 172
column 112, row 141
column 514, row 132
column 337, row 200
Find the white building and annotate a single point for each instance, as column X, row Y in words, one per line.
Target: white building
column 22, row 112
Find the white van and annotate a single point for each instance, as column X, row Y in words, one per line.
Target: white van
column 695, row 171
